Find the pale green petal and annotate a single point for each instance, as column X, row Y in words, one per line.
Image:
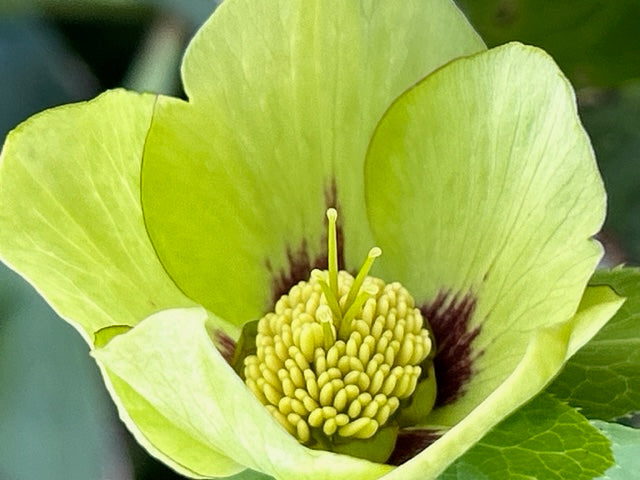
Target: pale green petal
column 161, row 438
column 482, row 182
column 168, row 360
column 70, row 216
column 543, row 358
column 283, row 99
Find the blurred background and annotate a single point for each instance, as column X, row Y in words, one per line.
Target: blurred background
column 56, row 421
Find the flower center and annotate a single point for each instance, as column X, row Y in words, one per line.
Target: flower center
column 338, row 356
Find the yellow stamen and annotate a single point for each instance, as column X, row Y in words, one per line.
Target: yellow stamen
column 337, row 354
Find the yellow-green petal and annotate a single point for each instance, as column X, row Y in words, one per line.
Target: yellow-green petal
column 168, row 362
column 70, row 215
column 159, row 435
column 482, row 183
column 283, row 99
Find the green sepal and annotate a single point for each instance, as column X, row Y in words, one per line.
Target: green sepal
column 245, row 346
column 422, row 401
column 104, row 335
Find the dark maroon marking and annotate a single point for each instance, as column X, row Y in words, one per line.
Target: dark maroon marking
column 300, row 263
column 225, row 344
column 411, row 442
column 449, row 317
column 331, row 195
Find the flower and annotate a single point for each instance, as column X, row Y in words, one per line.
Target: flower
column 153, row 225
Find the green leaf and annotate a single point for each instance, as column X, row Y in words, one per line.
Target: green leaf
column 625, row 443
column 603, row 378
column 70, row 215
column 475, row 188
column 283, row 99
column 173, row 382
column 546, row 439
column 593, row 41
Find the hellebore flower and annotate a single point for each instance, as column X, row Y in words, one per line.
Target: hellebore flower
column 160, row 227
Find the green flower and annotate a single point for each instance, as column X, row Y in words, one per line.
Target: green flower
column 469, row 168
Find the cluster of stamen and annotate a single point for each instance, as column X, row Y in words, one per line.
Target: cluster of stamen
column 339, row 353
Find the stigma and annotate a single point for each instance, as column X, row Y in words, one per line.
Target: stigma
column 339, row 355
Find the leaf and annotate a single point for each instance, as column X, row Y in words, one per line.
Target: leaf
column 593, row 41
column 546, row 439
column 603, row 378
column 625, row 443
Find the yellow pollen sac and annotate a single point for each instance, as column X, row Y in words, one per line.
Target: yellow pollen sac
column 338, row 354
